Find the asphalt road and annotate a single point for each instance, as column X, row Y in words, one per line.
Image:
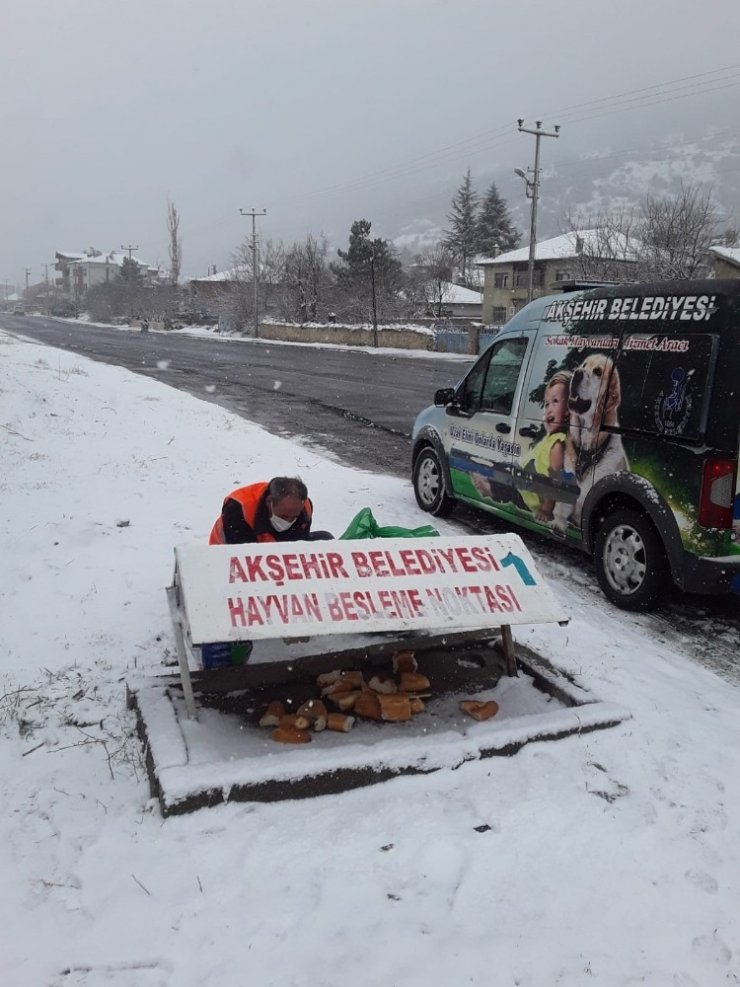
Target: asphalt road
column 359, row 407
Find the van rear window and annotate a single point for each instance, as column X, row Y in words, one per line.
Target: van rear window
column 665, row 381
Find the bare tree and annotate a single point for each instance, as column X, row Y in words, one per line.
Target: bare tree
column 239, row 306
column 665, row 238
column 729, row 237
column 269, row 268
column 306, row 277
column 175, row 242
column 429, row 282
column 676, row 233
column 606, row 246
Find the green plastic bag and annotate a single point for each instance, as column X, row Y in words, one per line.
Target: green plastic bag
column 364, row 525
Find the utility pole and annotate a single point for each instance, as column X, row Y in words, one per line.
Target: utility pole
column 27, row 271
column 375, row 306
column 255, row 262
column 533, row 191
column 130, row 248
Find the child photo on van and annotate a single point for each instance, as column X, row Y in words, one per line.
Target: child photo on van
column 546, row 456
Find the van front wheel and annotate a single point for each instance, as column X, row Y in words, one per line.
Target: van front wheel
column 429, row 484
column 630, row 560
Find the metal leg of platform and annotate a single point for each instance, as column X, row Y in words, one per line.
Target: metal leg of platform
column 182, row 652
column 187, row 685
column 507, row 641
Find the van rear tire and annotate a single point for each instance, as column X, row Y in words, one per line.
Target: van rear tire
column 429, row 484
column 630, row 560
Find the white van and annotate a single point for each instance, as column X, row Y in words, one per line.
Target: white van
column 609, row 418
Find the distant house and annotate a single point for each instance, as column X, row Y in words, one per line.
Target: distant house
column 452, row 301
column 207, row 294
column 64, row 259
column 79, row 272
column 579, row 256
column 726, row 261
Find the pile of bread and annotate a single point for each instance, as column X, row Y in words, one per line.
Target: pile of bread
column 393, row 698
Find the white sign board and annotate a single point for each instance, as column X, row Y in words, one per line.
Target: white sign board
column 248, row 592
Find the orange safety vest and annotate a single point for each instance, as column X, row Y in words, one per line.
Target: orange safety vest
column 249, row 500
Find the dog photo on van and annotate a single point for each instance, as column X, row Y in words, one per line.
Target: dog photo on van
column 592, row 450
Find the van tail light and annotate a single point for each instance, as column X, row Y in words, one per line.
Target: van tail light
column 717, row 493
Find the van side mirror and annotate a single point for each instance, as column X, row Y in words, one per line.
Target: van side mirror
column 444, row 396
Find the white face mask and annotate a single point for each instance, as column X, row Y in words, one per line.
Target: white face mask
column 280, row 524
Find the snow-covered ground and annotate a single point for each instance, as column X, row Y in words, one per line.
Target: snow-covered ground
column 608, row 858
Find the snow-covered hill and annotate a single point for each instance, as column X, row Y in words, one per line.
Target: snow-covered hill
column 586, row 185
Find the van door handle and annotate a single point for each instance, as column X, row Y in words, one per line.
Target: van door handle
column 503, row 427
column 529, row 432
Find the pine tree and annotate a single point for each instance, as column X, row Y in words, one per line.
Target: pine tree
column 461, row 238
column 369, row 276
column 130, row 272
column 495, row 231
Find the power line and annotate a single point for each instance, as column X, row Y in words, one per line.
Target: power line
column 645, row 89
column 502, row 135
column 627, row 104
column 655, row 147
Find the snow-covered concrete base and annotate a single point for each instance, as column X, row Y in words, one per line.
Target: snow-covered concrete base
column 225, row 756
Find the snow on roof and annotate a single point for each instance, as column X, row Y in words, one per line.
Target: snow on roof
column 71, row 254
column 730, row 254
column 233, row 274
column 457, row 294
column 563, row 247
column 114, row 258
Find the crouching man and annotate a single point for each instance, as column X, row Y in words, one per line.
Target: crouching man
column 274, row 511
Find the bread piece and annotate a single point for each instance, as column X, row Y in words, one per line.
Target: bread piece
column 346, row 700
column 327, row 678
column 347, row 682
column 315, row 711
column 368, row 705
column 354, row 678
column 479, row 710
column 396, row 708
column 340, row 722
column 383, row 683
column 413, row 682
column 335, row 689
column 288, row 734
column 417, row 705
column 273, row 714
column 291, row 720
column 404, row 661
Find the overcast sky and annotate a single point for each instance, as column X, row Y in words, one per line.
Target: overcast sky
column 319, row 111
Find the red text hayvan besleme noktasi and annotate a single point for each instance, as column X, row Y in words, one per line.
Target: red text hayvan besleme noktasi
column 480, row 597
